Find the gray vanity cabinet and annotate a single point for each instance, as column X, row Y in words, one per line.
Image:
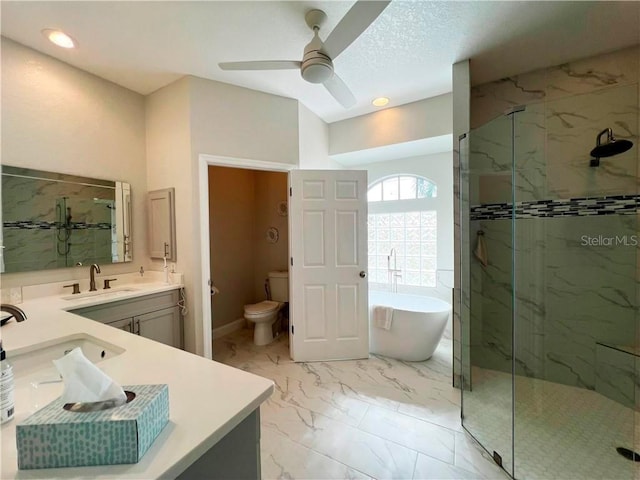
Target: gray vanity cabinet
column 156, row 316
column 124, row 324
column 162, row 326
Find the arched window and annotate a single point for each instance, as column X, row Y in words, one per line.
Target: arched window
column 403, row 220
column 402, row 187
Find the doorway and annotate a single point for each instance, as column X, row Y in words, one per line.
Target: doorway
column 206, row 161
column 248, row 239
column 328, row 215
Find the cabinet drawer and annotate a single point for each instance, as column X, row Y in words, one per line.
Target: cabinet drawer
column 109, row 312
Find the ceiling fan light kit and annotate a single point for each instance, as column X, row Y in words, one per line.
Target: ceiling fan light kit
column 317, row 60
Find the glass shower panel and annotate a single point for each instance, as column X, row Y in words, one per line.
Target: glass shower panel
column 487, row 395
column 575, row 289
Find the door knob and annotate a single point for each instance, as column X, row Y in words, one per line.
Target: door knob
column 363, row 274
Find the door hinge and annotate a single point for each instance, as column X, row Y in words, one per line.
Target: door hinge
column 290, row 192
column 292, row 261
column 292, row 330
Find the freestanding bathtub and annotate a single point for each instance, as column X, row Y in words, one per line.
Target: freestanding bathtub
column 416, row 329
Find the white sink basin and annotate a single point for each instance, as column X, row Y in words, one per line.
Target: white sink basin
column 39, row 357
column 110, row 293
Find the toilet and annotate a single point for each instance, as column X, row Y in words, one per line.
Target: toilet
column 264, row 314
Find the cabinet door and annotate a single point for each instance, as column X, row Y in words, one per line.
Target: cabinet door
column 162, row 326
column 161, row 213
column 124, row 324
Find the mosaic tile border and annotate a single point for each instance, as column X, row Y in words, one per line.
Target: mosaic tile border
column 573, row 207
column 35, row 225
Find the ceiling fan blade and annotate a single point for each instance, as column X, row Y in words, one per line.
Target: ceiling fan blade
column 356, row 21
column 261, row 65
column 339, row 90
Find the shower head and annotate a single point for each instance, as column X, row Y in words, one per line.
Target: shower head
column 609, row 148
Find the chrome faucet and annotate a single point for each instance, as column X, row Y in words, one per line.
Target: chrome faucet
column 392, row 254
column 95, row 268
column 16, row 312
column 393, row 272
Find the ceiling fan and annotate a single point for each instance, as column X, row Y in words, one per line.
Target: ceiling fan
column 317, row 61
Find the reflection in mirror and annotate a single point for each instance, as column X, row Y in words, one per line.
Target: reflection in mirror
column 53, row 220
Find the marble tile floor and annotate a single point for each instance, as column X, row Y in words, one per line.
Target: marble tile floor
column 561, row 432
column 377, row 418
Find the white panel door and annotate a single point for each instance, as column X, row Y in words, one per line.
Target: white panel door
column 328, row 298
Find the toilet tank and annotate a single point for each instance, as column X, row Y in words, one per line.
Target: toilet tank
column 279, row 284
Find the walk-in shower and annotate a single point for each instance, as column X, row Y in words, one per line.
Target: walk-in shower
column 549, row 313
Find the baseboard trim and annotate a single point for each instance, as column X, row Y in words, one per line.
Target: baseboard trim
column 228, row 328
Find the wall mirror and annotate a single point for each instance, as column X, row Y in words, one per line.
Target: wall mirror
column 53, row 220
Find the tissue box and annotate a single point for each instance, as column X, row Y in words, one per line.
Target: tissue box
column 53, row 437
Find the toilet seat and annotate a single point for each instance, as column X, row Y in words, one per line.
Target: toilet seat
column 260, row 309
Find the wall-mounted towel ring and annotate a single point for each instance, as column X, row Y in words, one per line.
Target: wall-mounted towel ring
column 481, row 249
column 272, row 235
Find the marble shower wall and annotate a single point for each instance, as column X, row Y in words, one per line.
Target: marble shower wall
column 573, row 287
column 34, row 216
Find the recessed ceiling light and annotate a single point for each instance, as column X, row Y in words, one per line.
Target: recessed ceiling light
column 380, row 101
column 59, row 38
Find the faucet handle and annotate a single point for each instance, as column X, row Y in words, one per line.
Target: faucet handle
column 107, row 282
column 76, row 288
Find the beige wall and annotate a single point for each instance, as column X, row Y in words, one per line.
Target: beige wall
column 232, row 225
column 242, row 206
column 58, row 118
column 270, row 189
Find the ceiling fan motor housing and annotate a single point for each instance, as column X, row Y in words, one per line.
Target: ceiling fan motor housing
column 317, row 66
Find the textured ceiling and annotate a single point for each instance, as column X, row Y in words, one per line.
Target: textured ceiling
column 406, row 54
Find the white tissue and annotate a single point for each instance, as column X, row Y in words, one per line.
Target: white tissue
column 84, row 382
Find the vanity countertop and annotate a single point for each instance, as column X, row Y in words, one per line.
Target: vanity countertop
column 206, row 399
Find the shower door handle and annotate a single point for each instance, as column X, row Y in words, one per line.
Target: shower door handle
column 363, row 274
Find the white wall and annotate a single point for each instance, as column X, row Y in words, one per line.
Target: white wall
column 58, row 118
column 221, row 120
column 427, row 118
column 461, row 79
column 232, row 121
column 169, row 165
column 438, row 168
column 314, row 142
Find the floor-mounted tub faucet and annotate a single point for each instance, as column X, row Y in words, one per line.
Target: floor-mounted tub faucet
column 393, row 272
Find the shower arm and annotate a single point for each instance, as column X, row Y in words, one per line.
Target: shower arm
column 609, row 133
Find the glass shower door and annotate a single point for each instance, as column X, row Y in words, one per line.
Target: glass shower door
column 575, row 278
column 487, row 288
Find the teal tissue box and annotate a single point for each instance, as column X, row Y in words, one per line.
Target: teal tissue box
column 53, row 437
